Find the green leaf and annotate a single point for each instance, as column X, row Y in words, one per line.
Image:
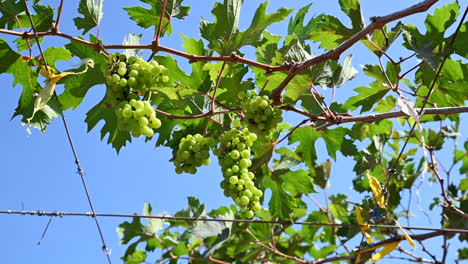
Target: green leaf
column 92, row 14
column 367, row 97
column 352, row 8
column 464, row 184
column 261, row 20
column 132, row 39
column 154, row 225
column 430, row 47
column 281, row 203
column 127, row 231
column 224, row 35
column 335, row 75
column 53, row 54
column 307, row 136
column 329, row 31
column 102, row 111
column 208, row 229
column 10, row 9
column 7, row 56
column 461, row 42
column 336, row 140
column 137, row 257
column 76, row 86
column 383, row 40
column 298, row 181
column 150, row 17
column 225, row 27
column 197, row 208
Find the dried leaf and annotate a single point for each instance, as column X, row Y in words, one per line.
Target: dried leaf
column 362, row 226
column 407, row 237
column 377, row 190
column 389, row 247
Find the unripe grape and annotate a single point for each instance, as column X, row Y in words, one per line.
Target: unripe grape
column 233, row 180
column 143, row 121
column 244, row 200
column 249, row 214
column 115, row 78
column 122, row 71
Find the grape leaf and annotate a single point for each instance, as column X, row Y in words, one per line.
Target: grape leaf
column 281, row 203
column 10, row 9
column 132, row 39
column 7, row 56
column 329, row 31
column 42, row 20
column 352, row 8
column 101, row 111
column 11, row 62
column 298, row 181
column 92, row 13
column 53, row 54
column 307, row 136
column 367, row 97
column 296, row 25
column 76, row 86
column 224, row 34
column 461, row 42
column 383, row 40
column 150, row 17
column 429, row 47
column 335, row 140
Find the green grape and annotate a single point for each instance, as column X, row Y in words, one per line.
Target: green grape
column 250, row 214
column 193, row 152
column 123, row 83
column 133, row 73
column 260, row 117
column 234, row 157
column 122, row 71
column 132, row 82
column 115, row 78
column 127, row 79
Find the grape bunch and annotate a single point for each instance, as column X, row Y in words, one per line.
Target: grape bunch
column 260, row 117
column 193, row 152
column 234, row 157
column 133, row 76
column 137, row 117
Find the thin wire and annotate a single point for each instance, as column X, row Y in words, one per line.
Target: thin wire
column 77, row 162
column 85, row 186
column 28, row 13
column 198, row 219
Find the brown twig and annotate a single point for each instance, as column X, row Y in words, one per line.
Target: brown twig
column 158, row 34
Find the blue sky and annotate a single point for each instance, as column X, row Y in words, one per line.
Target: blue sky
column 39, row 170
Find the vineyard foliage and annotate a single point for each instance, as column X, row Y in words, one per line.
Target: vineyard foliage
column 261, row 105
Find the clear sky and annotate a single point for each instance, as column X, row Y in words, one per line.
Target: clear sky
column 38, row 171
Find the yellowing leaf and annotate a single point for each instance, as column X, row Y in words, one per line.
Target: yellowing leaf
column 44, row 96
column 362, row 226
column 407, row 237
column 389, row 247
column 377, row 190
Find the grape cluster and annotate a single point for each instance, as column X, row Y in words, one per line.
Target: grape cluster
column 234, row 157
column 137, row 117
column 133, row 76
column 260, row 117
column 193, row 152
